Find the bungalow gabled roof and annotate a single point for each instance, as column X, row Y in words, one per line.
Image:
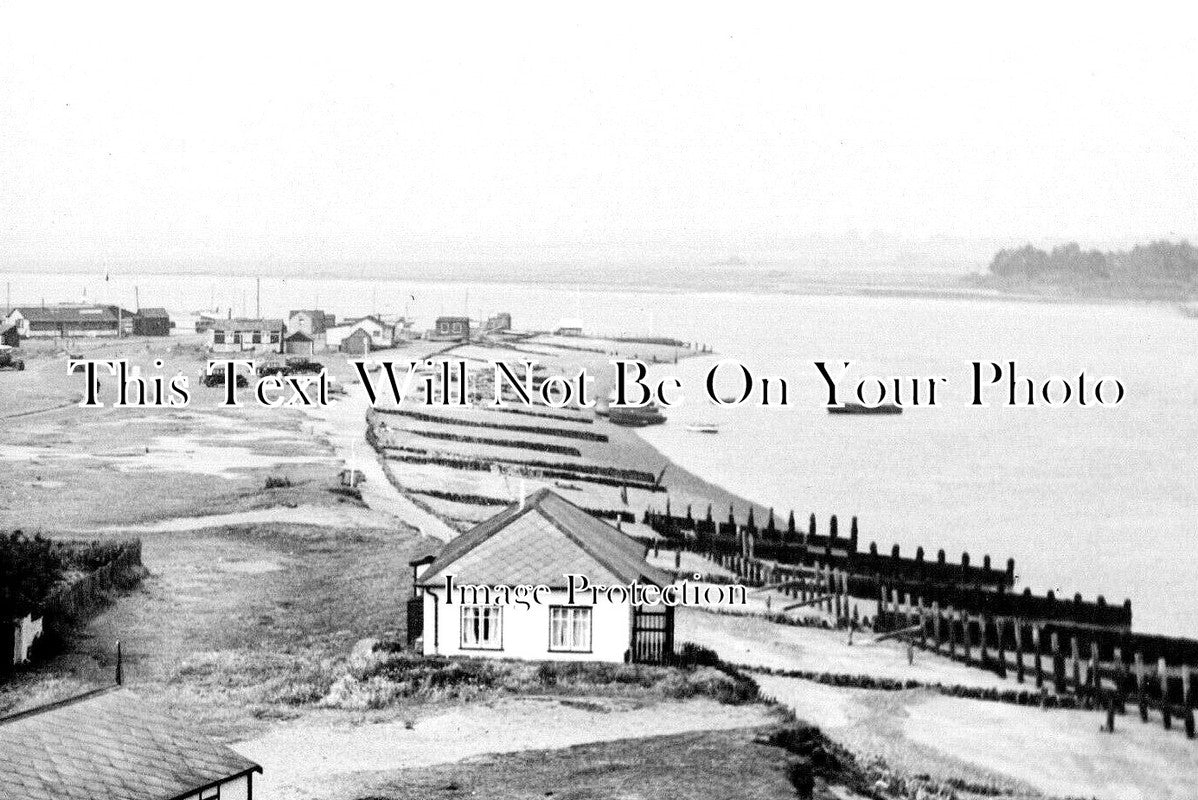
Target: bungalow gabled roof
column 109, row 744
column 538, row 542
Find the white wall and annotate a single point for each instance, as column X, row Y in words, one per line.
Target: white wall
column 526, row 630
column 28, row 631
column 238, row 789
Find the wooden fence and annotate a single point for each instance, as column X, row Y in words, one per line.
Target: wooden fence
column 1108, row 665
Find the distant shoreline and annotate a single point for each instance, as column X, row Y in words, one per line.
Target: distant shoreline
column 711, row 279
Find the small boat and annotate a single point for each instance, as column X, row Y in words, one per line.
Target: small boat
column 636, row 417
column 704, row 427
column 859, row 408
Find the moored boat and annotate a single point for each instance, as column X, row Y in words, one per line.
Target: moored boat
column 704, row 427
column 860, row 408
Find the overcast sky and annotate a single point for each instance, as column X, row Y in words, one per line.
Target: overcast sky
column 281, row 134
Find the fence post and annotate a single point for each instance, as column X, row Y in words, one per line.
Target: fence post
column 1019, row 650
column 1162, row 671
column 1187, row 699
column 937, row 625
column 1141, row 694
column 1075, row 660
column 1058, row 664
column 983, row 657
column 999, row 631
column 1120, row 680
column 923, row 625
column 966, row 639
column 1037, row 646
column 952, row 636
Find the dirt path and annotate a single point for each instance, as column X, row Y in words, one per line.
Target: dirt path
column 343, row 423
column 1021, row 749
column 297, row 758
column 326, row 516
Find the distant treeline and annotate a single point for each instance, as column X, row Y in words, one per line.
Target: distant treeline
column 1144, row 265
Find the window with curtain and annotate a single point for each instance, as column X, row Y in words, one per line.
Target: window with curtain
column 570, row 628
column 482, row 628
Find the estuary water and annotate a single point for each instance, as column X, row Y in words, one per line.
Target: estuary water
column 1089, row 499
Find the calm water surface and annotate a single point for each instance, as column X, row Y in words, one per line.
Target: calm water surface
column 1096, row 500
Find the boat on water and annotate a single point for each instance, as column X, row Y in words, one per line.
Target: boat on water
column 861, row 408
column 704, row 427
column 636, row 417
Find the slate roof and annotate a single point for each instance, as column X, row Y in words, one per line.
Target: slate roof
column 540, row 543
column 299, row 336
column 108, row 744
column 156, row 313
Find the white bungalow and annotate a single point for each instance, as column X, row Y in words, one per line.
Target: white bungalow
column 538, row 542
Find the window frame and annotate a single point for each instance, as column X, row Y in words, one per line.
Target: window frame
column 477, row 609
column 590, row 617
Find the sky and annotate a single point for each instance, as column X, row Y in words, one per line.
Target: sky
column 274, row 135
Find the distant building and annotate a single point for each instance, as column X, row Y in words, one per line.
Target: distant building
column 500, row 322
column 151, row 322
column 73, row 320
column 357, row 343
column 239, row 334
column 310, row 322
column 299, row 344
column 569, row 327
column 451, row 329
column 539, row 542
column 111, row 744
column 382, row 334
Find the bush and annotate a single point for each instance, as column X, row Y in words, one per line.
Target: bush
column 389, row 675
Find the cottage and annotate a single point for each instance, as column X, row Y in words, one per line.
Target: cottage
column 451, row 329
column 539, row 542
column 151, row 322
column 110, row 743
column 299, row 344
column 236, row 335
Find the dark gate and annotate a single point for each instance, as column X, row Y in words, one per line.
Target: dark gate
column 415, row 619
column 652, row 634
column 8, row 645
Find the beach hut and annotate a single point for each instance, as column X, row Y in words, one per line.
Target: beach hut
column 451, row 329
column 110, row 743
column 151, row 322
column 539, row 541
column 357, row 343
column 299, row 344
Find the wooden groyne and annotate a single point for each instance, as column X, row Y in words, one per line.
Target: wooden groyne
column 1070, row 647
